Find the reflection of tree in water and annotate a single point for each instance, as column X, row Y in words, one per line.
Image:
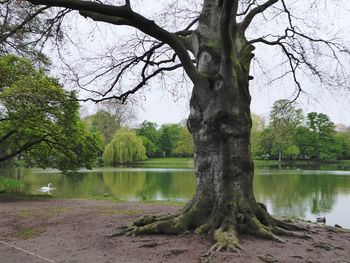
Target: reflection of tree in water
column 156, row 186
column 150, row 185
column 294, row 194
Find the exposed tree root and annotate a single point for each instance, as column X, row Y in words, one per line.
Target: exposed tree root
column 224, row 225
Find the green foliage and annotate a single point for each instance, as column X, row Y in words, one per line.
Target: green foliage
column 184, row 145
column 321, row 139
column 284, row 118
column 40, row 120
column 292, row 152
column 10, row 185
column 151, row 148
column 169, row 134
column 343, row 140
column 110, row 116
column 125, row 147
column 104, row 123
column 151, row 138
column 288, row 138
column 256, row 135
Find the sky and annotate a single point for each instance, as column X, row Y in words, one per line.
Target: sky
column 160, row 106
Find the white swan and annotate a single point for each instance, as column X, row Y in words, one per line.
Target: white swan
column 47, row 189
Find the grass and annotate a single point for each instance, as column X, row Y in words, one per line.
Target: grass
column 166, row 163
column 10, row 185
column 25, row 213
column 28, row 232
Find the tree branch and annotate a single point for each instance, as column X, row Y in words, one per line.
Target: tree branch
column 124, row 15
column 143, row 82
column 24, row 147
column 6, row 136
column 20, row 26
column 254, row 12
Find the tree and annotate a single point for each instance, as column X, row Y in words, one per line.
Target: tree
column 343, row 139
column 125, row 147
column 150, row 137
column 184, row 144
column 216, row 56
column 40, row 120
column 169, row 135
column 302, row 139
column 110, row 116
column 284, row 119
column 322, row 143
column 256, row 135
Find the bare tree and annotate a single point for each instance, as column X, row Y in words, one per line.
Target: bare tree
column 215, row 50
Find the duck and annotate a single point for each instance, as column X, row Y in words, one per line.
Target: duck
column 321, row 220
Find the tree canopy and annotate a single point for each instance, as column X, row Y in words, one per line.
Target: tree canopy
column 39, row 120
column 125, row 147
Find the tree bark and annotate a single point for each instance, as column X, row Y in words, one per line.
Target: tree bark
column 220, row 122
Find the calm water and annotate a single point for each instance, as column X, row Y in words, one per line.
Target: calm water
column 303, row 192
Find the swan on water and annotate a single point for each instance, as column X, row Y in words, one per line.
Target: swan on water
column 47, row 189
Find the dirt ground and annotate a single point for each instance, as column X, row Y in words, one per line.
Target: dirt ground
column 67, row 231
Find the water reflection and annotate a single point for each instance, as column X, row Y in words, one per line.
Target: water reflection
column 299, row 192
column 303, row 194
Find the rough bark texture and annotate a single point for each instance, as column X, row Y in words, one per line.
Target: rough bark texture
column 220, row 121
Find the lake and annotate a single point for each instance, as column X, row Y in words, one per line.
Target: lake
column 307, row 191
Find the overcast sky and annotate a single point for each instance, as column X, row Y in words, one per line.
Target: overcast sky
column 160, row 106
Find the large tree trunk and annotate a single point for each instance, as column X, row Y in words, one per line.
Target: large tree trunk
column 220, row 122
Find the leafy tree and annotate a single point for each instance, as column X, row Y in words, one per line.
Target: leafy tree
column 110, row 116
column 125, row 147
column 292, row 152
column 343, row 140
column 256, row 135
column 184, row 144
column 40, row 120
column 302, row 139
column 104, row 123
column 215, row 50
column 169, row 135
column 321, row 143
column 150, row 137
column 284, row 118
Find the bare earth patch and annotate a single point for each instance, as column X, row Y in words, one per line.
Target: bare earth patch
column 62, row 230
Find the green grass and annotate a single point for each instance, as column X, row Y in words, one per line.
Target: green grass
column 10, row 185
column 166, row 163
column 28, row 232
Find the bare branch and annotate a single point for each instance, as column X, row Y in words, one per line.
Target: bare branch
column 255, row 11
column 124, row 15
column 24, row 22
column 143, row 82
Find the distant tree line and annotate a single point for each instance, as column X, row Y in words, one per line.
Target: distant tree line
column 290, row 135
column 124, row 145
